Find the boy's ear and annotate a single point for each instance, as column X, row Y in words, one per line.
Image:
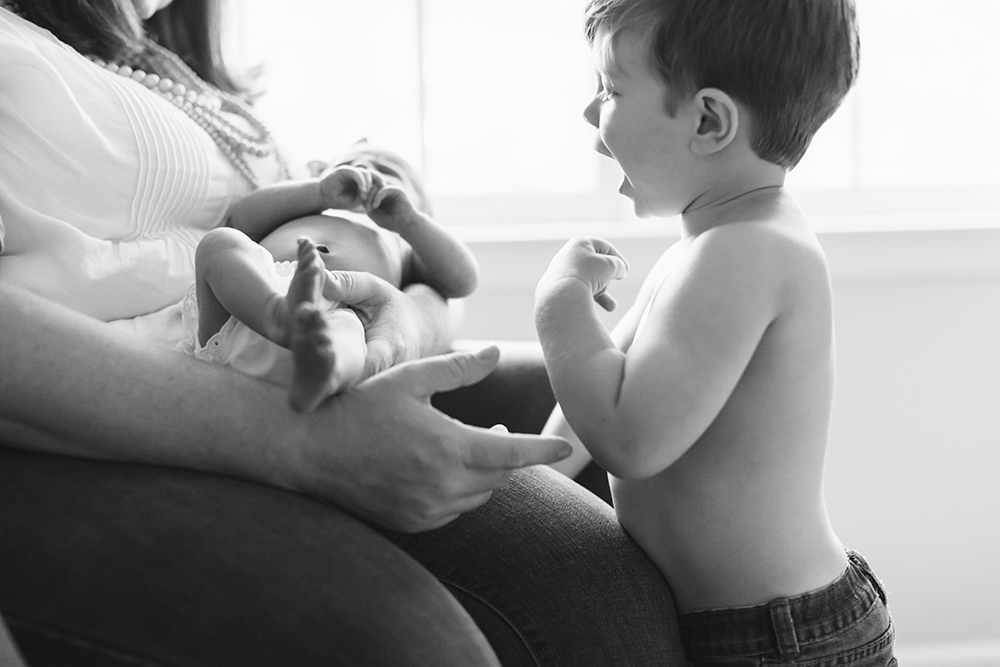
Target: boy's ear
column 718, row 121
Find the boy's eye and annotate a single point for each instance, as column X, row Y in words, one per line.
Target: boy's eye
column 605, row 94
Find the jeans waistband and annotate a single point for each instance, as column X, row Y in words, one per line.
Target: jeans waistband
column 783, row 624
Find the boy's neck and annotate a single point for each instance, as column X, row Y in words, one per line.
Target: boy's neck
column 735, row 201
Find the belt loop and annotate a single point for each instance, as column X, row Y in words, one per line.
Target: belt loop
column 784, row 629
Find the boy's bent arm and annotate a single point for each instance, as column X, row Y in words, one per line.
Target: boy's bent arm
column 585, row 367
column 641, row 413
column 622, row 336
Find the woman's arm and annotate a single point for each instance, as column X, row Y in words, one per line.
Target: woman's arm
column 75, row 386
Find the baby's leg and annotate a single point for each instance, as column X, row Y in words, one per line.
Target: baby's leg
column 234, row 278
column 328, row 347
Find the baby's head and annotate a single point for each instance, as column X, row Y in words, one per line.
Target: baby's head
column 391, row 166
column 788, row 62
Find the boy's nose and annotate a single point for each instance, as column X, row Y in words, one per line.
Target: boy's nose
column 592, row 114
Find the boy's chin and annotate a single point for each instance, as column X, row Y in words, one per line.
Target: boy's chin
column 644, row 210
column 640, row 212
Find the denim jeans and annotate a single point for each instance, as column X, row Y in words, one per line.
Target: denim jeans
column 844, row 624
column 114, row 564
column 584, row 594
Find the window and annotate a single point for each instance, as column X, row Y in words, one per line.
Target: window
column 487, row 98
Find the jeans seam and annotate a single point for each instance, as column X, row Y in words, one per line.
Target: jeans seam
column 852, row 655
column 857, row 621
column 81, row 642
column 448, row 581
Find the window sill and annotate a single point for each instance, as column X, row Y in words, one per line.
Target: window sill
column 870, row 247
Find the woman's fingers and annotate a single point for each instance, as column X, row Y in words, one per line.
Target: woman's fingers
column 496, row 454
column 445, row 372
column 357, row 289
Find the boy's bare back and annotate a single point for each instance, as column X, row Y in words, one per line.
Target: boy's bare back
column 736, row 518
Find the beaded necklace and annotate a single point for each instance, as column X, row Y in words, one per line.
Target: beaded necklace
column 164, row 73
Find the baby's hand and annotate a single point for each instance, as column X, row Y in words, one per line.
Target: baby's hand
column 389, row 206
column 592, row 261
column 346, row 188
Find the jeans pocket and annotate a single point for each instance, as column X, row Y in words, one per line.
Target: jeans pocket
column 876, row 653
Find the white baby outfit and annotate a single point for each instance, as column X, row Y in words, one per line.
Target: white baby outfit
column 236, row 344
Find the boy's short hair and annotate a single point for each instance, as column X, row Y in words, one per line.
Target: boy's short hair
column 790, row 62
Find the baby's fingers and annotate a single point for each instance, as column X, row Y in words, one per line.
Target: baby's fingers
column 363, row 178
column 378, row 196
column 344, row 188
column 359, row 178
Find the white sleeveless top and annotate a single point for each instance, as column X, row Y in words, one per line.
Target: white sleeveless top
column 105, row 187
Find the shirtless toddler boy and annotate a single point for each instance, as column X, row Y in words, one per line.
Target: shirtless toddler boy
column 709, row 404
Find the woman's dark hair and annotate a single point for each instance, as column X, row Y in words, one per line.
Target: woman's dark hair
column 791, row 62
column 112, row 30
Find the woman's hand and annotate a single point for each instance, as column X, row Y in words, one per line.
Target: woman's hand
column 592, row 261
column 408, row 466
column 399, row 325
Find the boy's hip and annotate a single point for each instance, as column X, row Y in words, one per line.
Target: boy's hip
column 845, row 623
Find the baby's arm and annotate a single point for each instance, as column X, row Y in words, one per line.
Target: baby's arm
column 637, row 412
column 438, row 259
column 264, row 210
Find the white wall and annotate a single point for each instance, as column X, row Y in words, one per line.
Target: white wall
column 913, row 479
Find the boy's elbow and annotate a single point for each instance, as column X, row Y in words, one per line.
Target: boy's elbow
column 632, row 457
column 625, row 467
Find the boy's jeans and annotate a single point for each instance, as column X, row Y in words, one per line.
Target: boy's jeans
column 845, row 624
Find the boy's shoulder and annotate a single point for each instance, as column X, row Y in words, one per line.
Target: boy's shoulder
column 772, row 245
column 758, row 264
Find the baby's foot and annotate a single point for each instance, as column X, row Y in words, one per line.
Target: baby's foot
column 308, row 280
column 314, row 357
column 329, row 352
column 324, row 345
